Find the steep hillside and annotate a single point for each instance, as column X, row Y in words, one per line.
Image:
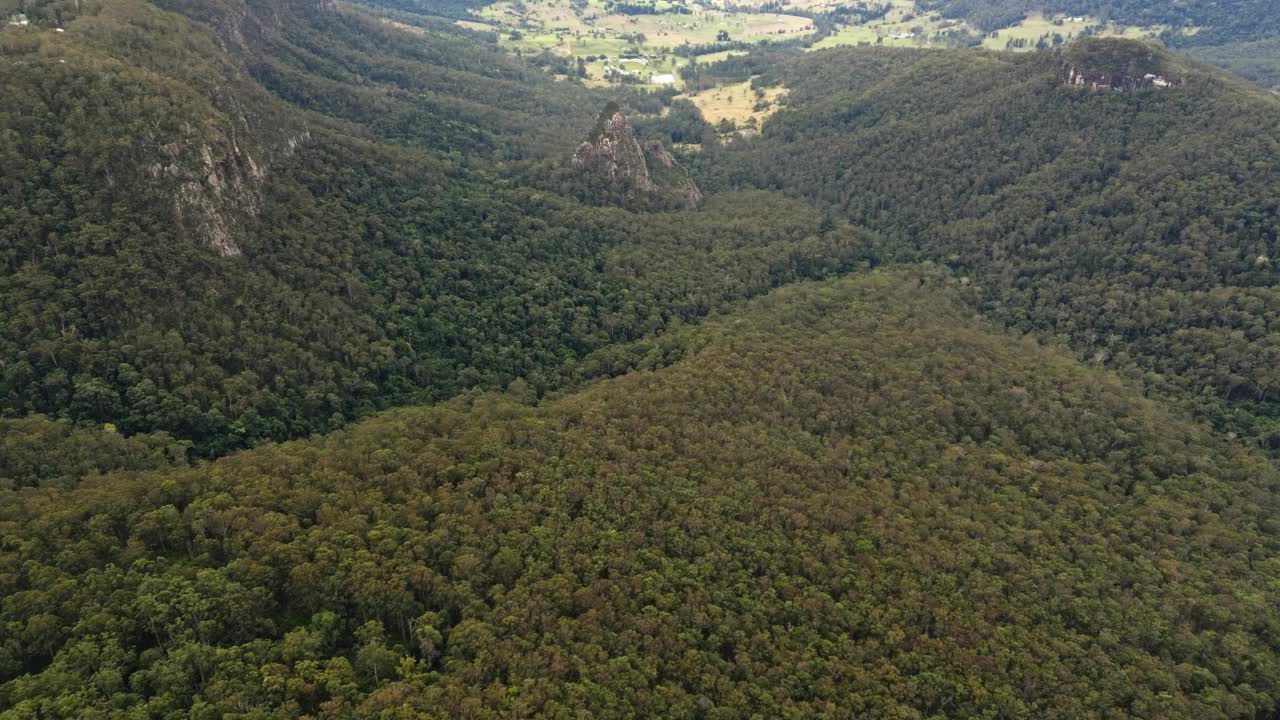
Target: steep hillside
column 232, row 222
column 612, row 154
column 1111, row 194
column 1258, row 60
column 849, row 499
column 132, row 107
column 967, row 488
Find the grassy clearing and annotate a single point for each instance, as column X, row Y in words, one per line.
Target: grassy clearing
column 590, row 31
column 404, row 27
column 788, row 5
column 579, row 31
column 703, row 27
column 899, row 28
column 736, row 102
column 1036, row 26
column 853, row 35
column 668, row 64
column 717, row 57
column 472, row 25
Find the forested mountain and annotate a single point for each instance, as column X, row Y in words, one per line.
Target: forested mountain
column 1257, row 60
column 231, row 222
column 847, row 500
column 340, row 378
column 1138, row 226
column 184, row 251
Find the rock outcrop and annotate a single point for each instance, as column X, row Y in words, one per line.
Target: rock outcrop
column 1117, row 65
column 211, row 156
column 666, row 171
column 612, row 152
column 217, row 186
column 1082, row 78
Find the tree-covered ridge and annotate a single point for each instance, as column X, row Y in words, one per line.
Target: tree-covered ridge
column 1140, row 227
column 1258, row 60
column 385, row 247
column 431, row 85
column 39, row 451
column 224, row 223
column 849, row 499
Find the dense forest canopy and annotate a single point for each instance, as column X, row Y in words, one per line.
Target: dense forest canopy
column 394, row 253
column 817, row 512
column 399, row 256
column 331, row 388
column 1257, row 60
column 1138, row 226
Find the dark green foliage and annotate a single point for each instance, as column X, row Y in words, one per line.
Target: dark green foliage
column 760, row 65
column 682, row 124
column 1140, row 227
column 371, row 274
column 41, row 13
column 439, row 89
column 1258, row 61
column 1117, row 57
column 602, row 121
column 38, row 451
column 224, row 223
column 849, row 499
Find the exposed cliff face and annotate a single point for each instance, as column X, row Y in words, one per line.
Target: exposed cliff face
column 1119, row 65
column 613, row 152
column 212, row 157
column 1082, row 78
column 217, row 186
column 667, row 172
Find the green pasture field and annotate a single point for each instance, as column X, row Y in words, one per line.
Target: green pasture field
column 1036, row 26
